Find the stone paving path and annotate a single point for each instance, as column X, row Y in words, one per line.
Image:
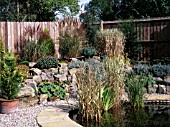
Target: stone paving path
column 57, row 116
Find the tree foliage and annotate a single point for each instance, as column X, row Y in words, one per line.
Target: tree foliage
column 108, row 10
column 36, row 10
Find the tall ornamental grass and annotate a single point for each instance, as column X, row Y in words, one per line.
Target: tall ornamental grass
column 100, row 90
column 110, row 42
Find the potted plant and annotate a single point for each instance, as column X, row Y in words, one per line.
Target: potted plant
column 10, row 77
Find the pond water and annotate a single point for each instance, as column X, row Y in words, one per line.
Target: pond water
column 150, row 116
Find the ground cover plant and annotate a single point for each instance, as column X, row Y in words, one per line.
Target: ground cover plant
column 52, row 89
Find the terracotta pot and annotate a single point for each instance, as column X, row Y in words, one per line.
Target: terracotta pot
column 8, row 106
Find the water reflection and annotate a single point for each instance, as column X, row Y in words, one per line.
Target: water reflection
column 150, row 116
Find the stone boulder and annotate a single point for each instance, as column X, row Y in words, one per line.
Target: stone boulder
column 60, row 77
column 168, row 89
column 162, row 89
column 26, row 91
column 35, row 71
column 73, row 71
column 31, row 64
column 152, row 88
column 37, row 78
column 43, row 98
column 33, row 85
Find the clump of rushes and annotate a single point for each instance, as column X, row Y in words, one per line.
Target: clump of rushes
column 89, row 92
column 135, row 84
column 99, row 92
column 114, row 67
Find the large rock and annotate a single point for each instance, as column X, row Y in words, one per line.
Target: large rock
column 44, row 76
column 167, row 79
column 60, row 77
column 168, row 89
column 26, row 91
column 73, row 71
column 74, row 59
column 152, row 88
column 157, row 79
column 63, row 65
column 35, row 71
column 54, row 70
column 37, row 78
column 33, row 85
column 31, row 64
column 28, row 80
column 161, row 89
column 43, row 98
column 50, row 76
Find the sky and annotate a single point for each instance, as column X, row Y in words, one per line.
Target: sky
column 82, row 2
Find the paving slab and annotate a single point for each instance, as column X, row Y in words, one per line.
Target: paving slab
column 158, row 97
column 56, row 116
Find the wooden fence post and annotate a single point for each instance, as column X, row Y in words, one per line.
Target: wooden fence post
column 101, row 25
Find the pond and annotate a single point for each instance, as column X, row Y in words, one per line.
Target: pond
column 150, row 116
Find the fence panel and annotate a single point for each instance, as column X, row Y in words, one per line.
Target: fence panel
column 152, row 33
column 13, row 32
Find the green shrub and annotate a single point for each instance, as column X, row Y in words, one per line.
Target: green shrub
column 10, row 77
column 29, row 51
column 88, row 52
column 52, row 89
column 141, row 69
column 131, row 47
column 45, row 47
column 163, row 61
column 2, row 50
column 47, row 62
column 135, row 84
column 24, row 63
column 40, row 44
column 95, row 66
column 76, row 64
column 24, row 70
column 160, row 70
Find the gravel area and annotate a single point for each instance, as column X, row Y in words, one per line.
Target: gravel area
column 25, row 117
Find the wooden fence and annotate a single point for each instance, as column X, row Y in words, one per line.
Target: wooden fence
column 13, row 32
column 153, row 34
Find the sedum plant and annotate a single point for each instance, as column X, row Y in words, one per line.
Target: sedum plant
column 10, row 77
